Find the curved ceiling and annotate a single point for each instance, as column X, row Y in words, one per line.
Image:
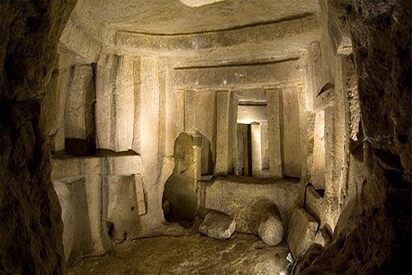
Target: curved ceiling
column 172, row 16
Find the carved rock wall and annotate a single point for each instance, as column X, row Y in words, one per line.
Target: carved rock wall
column 374, row 235
column 29, row 209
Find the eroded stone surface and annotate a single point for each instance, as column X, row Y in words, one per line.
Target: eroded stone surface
column 218, row 225
column 271, row 230
column 122, row 214
column 366, row 157
column 244, row 254
column 313, row 202
column 179, row 197
column 250, row 200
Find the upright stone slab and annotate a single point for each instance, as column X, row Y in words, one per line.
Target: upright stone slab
column 140, row 195
column 301, row 232
column 179, row 196
column 313, row 203
column 190, row 111
column 256, row 149
column 106, row 85
column 265, row 147
column 180, row 113
column 222, row 132
column 319, row 155
column 122, row 214
column 79, row 114
column 124, row 104
column 291, row 134
column 274, row 116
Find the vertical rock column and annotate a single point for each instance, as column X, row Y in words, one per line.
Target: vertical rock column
column 106, row 85
column 115, row 102
column 319, row 154
column 256, row 149
column 148, row 127
column 124, row 104
column 58, row 103
column 190, row 112
column 291, row 133
column 275, row 153
column 180, row 113
column 222, row 132
column 79, row 114
column 197, row 147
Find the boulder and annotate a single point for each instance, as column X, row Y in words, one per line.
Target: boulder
column 271, row 230
column 218, row 225
column 301, row 232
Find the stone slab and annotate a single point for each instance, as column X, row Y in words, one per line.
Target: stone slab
column 104, row 165
column 302, row 231
column 313, row 202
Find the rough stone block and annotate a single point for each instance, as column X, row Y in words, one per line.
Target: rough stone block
column 302, row 231
column 124, row 165
column 84, row 231
column 122, row 214
column 218, row 225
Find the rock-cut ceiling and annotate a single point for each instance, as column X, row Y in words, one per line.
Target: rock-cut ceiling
column 186, row 16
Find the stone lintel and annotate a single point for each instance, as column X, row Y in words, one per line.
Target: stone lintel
column 256, row 75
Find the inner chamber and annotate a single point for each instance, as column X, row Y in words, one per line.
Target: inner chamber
column 242, row 132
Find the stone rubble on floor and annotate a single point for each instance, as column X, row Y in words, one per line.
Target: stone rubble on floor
column 218, row 225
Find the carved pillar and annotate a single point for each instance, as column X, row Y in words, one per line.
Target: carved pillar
column 275, row 153
column 222, row 132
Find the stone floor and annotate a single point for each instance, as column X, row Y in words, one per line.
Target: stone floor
column 194, row 254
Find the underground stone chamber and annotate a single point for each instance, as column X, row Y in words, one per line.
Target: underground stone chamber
column 216, row 137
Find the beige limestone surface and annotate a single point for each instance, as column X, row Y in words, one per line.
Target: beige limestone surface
column 194, row 254
column 302, row 231
column 168, row 17
column 218, row 225
column 249, row 200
